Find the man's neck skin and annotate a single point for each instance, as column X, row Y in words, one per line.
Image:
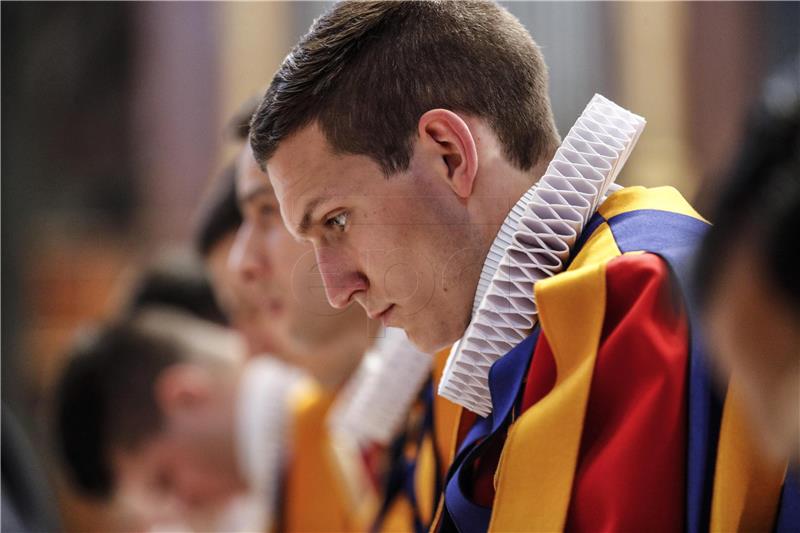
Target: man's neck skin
column 230, row 395
column 499, row 184
column 333, row 361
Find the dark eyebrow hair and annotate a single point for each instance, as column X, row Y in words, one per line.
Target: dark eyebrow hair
column 305, row 222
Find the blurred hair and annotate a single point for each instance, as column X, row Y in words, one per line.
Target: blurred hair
column 179, row 283
column 239, row 125
column 760, row 204
column 105, row 400
column 219, row 215
column 367, row 71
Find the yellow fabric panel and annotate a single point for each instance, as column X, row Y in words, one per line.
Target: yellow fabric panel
column 313, row 500
column 534, row 477
column 446, row 415
column 399, row 518
column 746, row 486
column 446, row 421
column 425, row 479
column 633, row 198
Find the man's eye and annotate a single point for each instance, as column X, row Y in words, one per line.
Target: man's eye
column 338, row 222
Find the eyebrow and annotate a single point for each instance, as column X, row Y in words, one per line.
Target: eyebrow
column 305, row 222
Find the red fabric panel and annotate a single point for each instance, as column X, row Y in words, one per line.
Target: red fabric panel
column 541, row 375
column 631, row 467
column 373, row 455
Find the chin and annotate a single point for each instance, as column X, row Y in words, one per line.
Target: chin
column 430, row 339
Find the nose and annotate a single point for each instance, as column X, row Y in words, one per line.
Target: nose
column 340, row 275
column 249, row 256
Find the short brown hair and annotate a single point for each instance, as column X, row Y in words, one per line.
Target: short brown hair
column 238, row 127
column 367, row 71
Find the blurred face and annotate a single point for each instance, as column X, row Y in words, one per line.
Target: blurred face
column 402, row 247
column 281, row 274
column 755, row 334
column 239, row 305
column 189, row 467
column 163, row 481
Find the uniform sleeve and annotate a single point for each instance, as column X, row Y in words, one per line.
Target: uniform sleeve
column 630, row 474
column 630, row 469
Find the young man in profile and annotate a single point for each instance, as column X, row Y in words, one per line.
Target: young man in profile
column 266, row 255
column 746, row 276
column 397, row 136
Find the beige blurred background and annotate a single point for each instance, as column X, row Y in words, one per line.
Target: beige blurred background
column 112, row 119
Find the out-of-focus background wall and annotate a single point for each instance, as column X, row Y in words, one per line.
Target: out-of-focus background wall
column 112, row 119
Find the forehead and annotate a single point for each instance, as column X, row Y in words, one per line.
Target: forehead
column 305, row 168
column 249, row 176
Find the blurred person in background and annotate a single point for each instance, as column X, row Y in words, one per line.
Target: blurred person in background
column 748, row 273
column 28, row 499
column 219, row 219
column 163, row 413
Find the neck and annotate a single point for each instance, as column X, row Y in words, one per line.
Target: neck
column 500, row 189
column 504, row 188
column 228, row 388
column 338, row 357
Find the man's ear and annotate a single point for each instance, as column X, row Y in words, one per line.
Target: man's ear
column 452, row 139
column 181, row 388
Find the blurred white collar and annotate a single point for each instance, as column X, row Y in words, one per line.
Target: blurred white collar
column 263, row 426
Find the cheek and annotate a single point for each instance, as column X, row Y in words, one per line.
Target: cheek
column 401, row 281
column 285, row 251
column 304, row 279
column 408, row 277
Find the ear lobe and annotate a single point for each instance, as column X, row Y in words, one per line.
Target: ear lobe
column 182, row 387
column 456, row 146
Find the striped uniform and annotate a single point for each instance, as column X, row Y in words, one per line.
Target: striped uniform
column 605, row 418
